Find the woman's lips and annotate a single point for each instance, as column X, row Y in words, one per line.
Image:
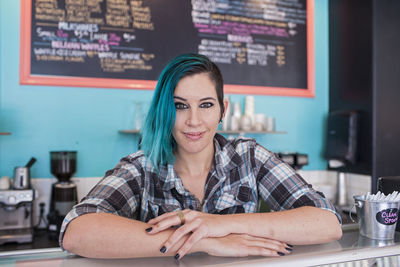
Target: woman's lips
column 193, row 136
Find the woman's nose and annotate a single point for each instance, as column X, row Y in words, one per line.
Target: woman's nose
column 194, row 117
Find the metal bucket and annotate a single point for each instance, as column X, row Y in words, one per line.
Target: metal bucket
column 377, row 219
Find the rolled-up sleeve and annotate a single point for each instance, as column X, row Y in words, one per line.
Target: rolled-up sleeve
column 117, row 193
column 282, row 188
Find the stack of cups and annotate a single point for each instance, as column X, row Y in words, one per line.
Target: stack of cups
column 270, row 124
column 247, row 120
column 260, row 122
column 236, row 116
column 249, row 106
column 228, row 116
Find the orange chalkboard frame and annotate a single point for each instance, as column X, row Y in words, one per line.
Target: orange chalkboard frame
column 27, row 79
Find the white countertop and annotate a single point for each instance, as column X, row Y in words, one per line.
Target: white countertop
column 351, row 247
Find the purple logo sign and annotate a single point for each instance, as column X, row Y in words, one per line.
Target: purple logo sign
column 387, row 217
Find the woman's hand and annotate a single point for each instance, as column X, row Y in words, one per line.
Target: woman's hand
column 197, row 224
column 242, row 245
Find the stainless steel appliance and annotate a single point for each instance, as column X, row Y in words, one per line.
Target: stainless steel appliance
column 22, row 177
column 16, row 216
column 295, row 160
column 64, row 192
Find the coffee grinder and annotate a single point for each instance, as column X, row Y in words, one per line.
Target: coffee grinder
column 63, row 193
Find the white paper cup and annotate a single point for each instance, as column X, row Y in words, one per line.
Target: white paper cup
column 5, row 183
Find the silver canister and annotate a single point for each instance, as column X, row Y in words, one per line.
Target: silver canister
column 377, row 219
column 21, row 178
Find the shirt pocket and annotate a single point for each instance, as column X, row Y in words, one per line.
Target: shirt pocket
column 233, row 199
column 159, row 207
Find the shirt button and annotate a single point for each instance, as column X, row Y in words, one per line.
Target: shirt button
column 191, row 207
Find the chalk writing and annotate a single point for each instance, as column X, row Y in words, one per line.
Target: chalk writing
column 244, row 22
column 79, row 34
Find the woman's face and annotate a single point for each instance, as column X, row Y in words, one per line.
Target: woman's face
column 197, row 114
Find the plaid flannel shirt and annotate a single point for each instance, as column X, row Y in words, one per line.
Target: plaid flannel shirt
column 242, row 172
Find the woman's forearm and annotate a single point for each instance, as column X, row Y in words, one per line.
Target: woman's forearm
column 300, row 226
column 102, row 235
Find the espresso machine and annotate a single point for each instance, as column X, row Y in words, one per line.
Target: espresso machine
column 294, row 159
column 16, row 216
column 16, row 208
column 63, row 192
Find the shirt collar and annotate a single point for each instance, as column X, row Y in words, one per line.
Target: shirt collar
column 169, row 178
column 226, row 157
column 225, row 160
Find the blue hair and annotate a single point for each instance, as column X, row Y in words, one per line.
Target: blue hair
column 157, row 141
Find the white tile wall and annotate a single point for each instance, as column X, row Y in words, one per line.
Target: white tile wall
column 43, row 188
column 357, row 184
column 324, row 181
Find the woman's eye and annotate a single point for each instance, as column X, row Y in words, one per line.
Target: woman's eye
column 179, row 105
column 206, row 105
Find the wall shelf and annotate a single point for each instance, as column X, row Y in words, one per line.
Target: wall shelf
column 220, row 132
column 5, row 133
column 251, row 132
column 129, row 131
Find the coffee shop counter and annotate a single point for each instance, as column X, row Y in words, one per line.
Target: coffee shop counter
column 351, row 248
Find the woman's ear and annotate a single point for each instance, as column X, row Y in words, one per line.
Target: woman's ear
column 226, row 104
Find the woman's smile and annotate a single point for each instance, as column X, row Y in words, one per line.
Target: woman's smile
column 194, row 136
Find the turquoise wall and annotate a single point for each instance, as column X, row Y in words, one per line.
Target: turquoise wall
column 45, row 118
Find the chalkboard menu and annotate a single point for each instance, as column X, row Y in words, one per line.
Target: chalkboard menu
column 261, row 47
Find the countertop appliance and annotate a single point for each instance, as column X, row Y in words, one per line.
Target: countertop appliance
column 295, row 160
column 22, row 176
column 64, row 192
column 16, row 216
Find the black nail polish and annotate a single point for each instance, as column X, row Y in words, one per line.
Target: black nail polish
column 289, row 249
column 289, row 245
column 149, row 229
column 176, row 256
column 163, row 249
column 281, row 254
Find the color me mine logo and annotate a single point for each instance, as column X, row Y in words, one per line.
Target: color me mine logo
column 387, row 217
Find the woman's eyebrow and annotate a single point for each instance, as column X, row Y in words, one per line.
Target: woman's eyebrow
column 207, row 98
column 202, row 99
column 181, row 98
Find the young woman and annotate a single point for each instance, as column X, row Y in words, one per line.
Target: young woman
column 191, row 190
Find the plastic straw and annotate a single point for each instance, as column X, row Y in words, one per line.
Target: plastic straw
column 379, row 196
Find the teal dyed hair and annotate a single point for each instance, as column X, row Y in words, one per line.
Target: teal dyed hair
column 157, row 142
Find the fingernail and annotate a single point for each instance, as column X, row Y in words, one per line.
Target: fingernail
column 289, row 249
column 149, row 229
column 163, row 249
column 281, row 254
column 177, row 256
column 289, row 245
